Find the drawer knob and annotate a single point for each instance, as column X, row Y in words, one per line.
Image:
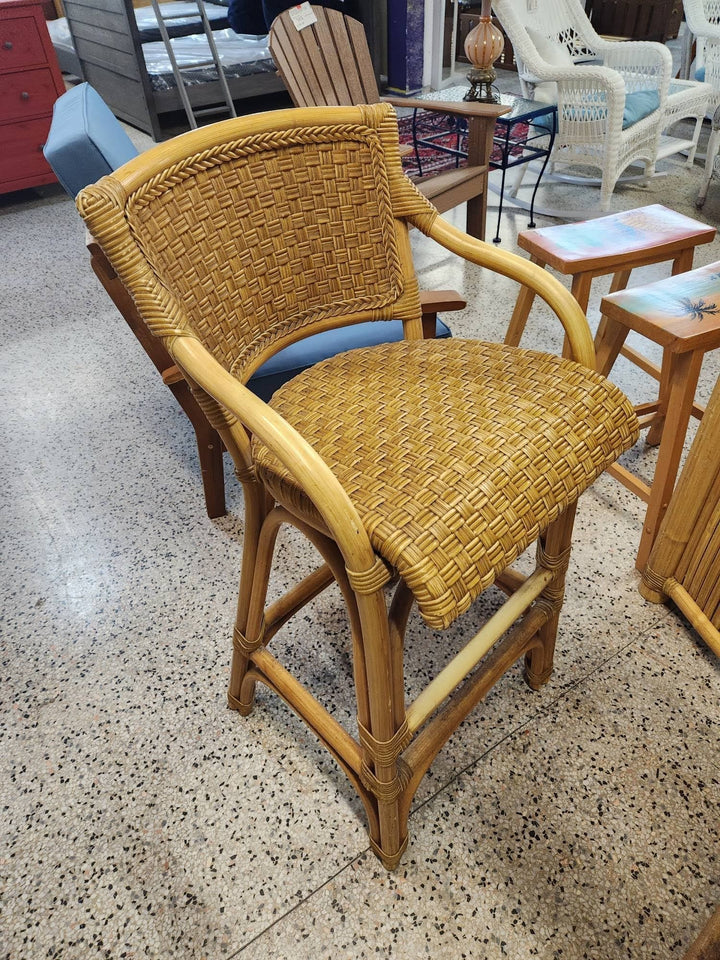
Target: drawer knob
column 24, row 95
column 7, row 45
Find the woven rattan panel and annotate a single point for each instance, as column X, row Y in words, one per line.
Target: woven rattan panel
column 699, row 567
column 456, row 453
column 263, row 236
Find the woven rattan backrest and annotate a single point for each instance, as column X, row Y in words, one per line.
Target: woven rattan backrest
column 327, row 62
column 255, row 232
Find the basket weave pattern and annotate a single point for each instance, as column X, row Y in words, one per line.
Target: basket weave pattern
column 259, row 239
column 451, row 463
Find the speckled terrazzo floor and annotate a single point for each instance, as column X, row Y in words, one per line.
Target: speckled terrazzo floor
column 141, row 818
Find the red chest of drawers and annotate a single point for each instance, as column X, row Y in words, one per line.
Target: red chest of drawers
column 30, row 83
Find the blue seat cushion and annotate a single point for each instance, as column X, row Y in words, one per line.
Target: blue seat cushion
column 638, row 105
column 303, row 354
column 86, row 141
column 700, row 74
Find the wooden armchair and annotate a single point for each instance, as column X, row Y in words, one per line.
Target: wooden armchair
column 328, row 64
column 431, row 463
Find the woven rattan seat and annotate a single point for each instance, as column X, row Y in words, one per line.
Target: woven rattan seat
column 437, row 461
column 439, row 447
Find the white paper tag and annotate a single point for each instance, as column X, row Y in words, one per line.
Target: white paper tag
column 302, row 16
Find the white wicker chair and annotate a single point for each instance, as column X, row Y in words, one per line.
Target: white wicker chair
column 591, row 89
column 712, row 160
column 702, row 18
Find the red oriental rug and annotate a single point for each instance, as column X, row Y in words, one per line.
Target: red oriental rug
column 447, row 132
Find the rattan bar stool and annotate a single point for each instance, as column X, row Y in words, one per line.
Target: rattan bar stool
column 430, row 464
column 609, row 245
column 682, row 315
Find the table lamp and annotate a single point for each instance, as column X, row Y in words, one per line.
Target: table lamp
column 483, row 45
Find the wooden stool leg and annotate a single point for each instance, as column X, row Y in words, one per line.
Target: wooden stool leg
column 524, row 302
column 683, row 262
column 609, row 340
column 580, row 289
column 683, row 373
column 655, row 433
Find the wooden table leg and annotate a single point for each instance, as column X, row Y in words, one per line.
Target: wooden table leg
column 683, row 373
column 479, row 149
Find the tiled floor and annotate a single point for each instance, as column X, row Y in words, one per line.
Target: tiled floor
column 141, row 818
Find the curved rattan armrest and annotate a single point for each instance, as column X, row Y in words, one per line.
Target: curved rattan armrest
column 309, row 469
column 557, row 297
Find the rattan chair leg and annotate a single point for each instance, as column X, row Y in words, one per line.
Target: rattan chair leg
column 553, row 554
column 256, row 511
column 385, row 740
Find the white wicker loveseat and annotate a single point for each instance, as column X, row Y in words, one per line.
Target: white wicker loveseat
column 614, row 98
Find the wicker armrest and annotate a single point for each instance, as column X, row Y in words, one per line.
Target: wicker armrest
column 557, row 297
column 632, row 56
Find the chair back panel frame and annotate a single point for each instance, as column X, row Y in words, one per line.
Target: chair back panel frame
column 350, row 257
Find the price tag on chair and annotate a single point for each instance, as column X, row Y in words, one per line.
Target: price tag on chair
column 302, row 16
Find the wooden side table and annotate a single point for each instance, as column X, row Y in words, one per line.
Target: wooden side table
column 609, row 245
column 682, row 315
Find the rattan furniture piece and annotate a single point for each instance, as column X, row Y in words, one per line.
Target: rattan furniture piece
column 327, row 63
column 682, row 314
column 616, row 245
column 684, row 564
column 429, row 463
column 614, row 99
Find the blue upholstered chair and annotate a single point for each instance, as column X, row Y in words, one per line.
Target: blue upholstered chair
column 85, row 143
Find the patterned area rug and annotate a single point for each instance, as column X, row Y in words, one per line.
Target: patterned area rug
column 444, row 142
